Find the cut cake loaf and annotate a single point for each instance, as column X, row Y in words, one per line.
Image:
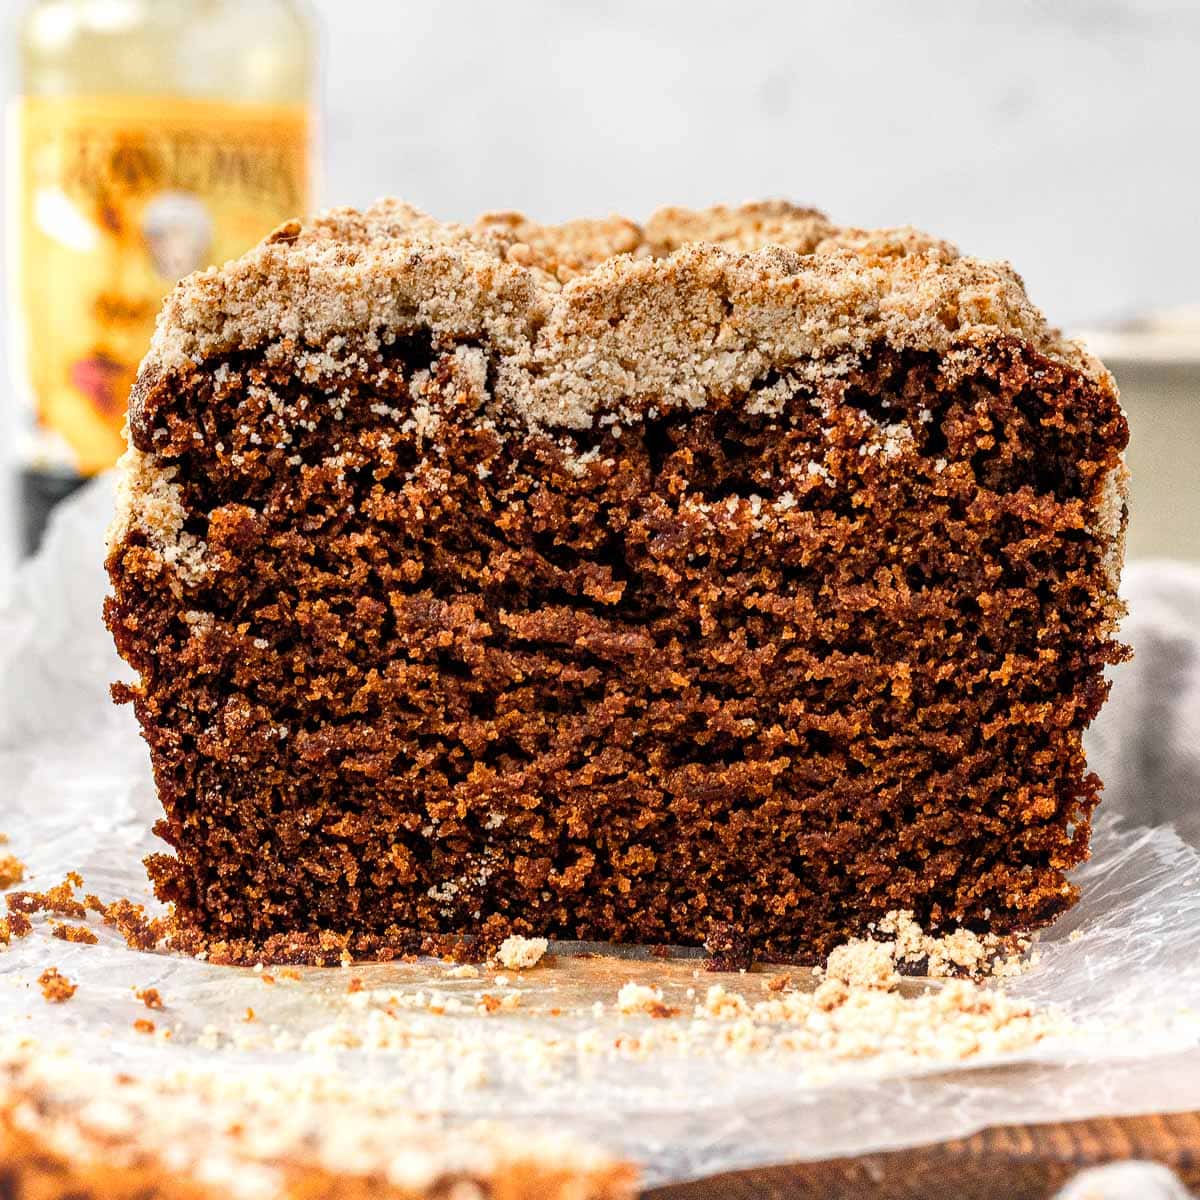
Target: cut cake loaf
column 736, row 578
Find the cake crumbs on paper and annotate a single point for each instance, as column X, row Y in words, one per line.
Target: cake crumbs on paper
column 15, row 925
column 519, row 953
column 130, row 920
column 642, row 998
column 864, row 963
column 142, row 1025
column 150, row 997
column 79, row 934
column 492, row 1004
column 899, row 946
column 12, row 871
column 56, row 988
column 463, row 971
column 858, row 1013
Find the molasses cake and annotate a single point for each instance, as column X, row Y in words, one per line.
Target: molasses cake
column 739, row 578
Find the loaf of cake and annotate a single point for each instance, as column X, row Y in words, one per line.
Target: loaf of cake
column 735, row 579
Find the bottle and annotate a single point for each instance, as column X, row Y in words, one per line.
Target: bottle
column 150, row 138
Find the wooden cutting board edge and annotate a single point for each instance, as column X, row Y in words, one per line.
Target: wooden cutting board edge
column 1012, row 1162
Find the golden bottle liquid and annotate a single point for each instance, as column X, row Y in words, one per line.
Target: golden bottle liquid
column 149, row 138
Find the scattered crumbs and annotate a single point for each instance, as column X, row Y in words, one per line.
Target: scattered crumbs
column 142, row 1025
column 355, row 985
column 267, row 978
column 12, row 871
column 249, row 1017
column 59, row 900
column 80, row 934
column 289, row 973
column 501, row 981
column 1075, row 935
column 56, row 988
column 959, row 953
column 150, row 997
column 777, row 983
column 3, row 839
column 489, row 1003
column 140, row 931
column 519, row 953
column 464, row 971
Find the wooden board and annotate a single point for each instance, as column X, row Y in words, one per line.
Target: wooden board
column 1011, row 1162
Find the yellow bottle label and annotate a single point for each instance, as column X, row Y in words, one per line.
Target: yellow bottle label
column 117, row 198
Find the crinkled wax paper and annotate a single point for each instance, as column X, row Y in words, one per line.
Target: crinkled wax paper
column 76, row 794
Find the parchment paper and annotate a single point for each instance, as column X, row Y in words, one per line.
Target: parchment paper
column 75, row 794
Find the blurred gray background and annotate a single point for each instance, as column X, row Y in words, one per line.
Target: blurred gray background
column 1061, row 135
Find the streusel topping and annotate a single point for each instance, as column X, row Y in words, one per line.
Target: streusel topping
column 590, row 315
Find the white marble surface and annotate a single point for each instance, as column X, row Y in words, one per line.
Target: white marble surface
column 1056, row 135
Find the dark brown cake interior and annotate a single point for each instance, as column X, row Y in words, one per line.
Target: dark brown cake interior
column 779, row 670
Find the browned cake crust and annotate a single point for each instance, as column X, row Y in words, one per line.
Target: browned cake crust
column 742, row 574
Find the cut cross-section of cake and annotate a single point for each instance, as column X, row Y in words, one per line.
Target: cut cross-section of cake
column 739, row 573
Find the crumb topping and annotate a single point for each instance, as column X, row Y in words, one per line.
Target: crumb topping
column 703, row 301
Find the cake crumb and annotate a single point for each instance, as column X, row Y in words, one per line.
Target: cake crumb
column 519, row 953
column 463, row 971
column 644, row 999
column 15, row 925
column 79, row 934
column 864, row 963
column 142, row 1025
column 12, row 871
column 150, row 997
column 59, row 899
column 56, row 988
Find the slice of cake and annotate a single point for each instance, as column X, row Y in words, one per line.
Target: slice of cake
column 740, row 578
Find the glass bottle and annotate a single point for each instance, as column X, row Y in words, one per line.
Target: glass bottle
column 150, row 138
